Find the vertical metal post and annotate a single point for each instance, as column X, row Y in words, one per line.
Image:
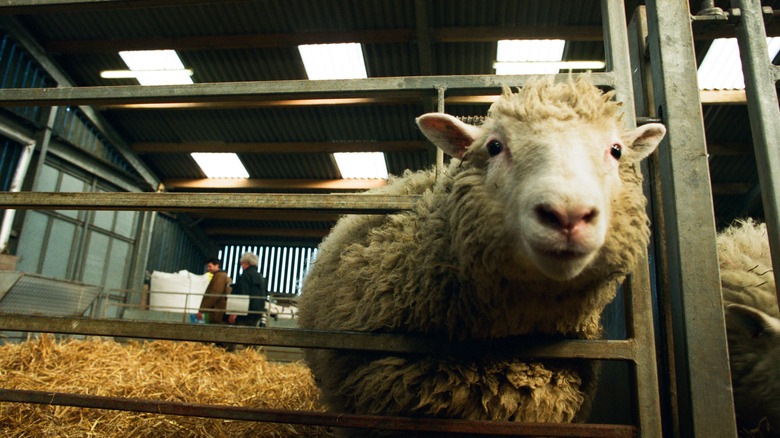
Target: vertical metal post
column 613, row 15
column 645, row 107
column 639, row 315
column 440, row 108
column 140, row 258
column 702, row 367
column 764, row 116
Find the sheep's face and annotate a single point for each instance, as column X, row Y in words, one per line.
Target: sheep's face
column 554, row 180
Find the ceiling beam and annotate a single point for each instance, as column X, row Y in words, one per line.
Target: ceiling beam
column 731, row 189
column 270, row 184
column 271, row 232
column 364, row 36
column 227, row 42
column 730, row 149
column 723, row 97
column 8, row 7
column 293, row 39
column 278, row 148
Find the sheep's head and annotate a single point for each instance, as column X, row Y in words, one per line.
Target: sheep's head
column 550, row 156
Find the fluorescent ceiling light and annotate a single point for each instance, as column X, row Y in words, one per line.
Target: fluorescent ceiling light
column 369, row 165
column 152, row 67
column 220, row 165
column 528, row 56
column 333, row 61
column 721, row 68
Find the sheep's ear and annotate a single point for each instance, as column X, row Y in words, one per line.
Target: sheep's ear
column 448, row 133
column 643, row 140
column 753, row 320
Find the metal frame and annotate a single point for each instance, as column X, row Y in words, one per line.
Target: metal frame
column 639, row 349
column 760, row 77
column 700, row 354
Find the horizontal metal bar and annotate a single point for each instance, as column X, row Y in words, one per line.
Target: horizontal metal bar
column 376, row 342
column 319, row 418
column 239, row 91
column 343, row 203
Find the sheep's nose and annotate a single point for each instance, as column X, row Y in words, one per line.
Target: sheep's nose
column 567, row 220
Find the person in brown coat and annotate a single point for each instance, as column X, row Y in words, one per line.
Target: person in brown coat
column 215, row 298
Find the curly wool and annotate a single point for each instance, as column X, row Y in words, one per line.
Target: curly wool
column 447, row 269
column 747, row 279
column 746, row 266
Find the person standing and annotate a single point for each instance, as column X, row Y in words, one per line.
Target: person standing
column 215, row 298
column 251, row 283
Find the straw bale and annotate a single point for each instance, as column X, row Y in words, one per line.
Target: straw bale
column 160, row 370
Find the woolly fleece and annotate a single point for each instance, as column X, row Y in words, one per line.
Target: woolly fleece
column 446, row 269
column 754, row 332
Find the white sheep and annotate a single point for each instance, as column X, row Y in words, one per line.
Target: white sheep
column 752, row 323
column 528, row 230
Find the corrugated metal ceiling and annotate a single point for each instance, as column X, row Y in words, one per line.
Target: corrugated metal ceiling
column 290, row 21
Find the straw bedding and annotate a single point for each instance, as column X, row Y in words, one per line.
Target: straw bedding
column 160, row 370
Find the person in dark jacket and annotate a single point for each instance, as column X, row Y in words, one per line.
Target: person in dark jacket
column 251, row 283
column 215, row 298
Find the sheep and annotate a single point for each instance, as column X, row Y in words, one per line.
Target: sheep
column 528, row 230
column 752, row 323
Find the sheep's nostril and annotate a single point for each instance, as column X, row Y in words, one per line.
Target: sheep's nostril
column 548, row 216
column 566, row 219
column 590, row 216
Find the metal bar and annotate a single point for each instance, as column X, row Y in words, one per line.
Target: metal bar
column 645, row 107
column 450, row 426
column 639, row 314
column 617, row 56
column 764, row 117
column 702, row 368
column 376, row 342
column 440, row 93
column 344, row 203
column 240, row 91
column 639, row 326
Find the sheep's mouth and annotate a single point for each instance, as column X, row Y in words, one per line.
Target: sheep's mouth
column 563, row 255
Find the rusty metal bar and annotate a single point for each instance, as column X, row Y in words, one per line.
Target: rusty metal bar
column 486, row 428
column 343, row 203
column 377, row 342
column 255, row 91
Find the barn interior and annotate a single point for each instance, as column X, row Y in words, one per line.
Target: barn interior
column 134, row 159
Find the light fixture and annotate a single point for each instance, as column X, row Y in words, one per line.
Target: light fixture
column 525, row 51
column 152, row 67
column 721, row 68
column 369, row 165
column 220, row 164
column 536, row 57
column 333, row 61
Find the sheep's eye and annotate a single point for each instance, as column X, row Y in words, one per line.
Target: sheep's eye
column 617, row 151
column 494, row 147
